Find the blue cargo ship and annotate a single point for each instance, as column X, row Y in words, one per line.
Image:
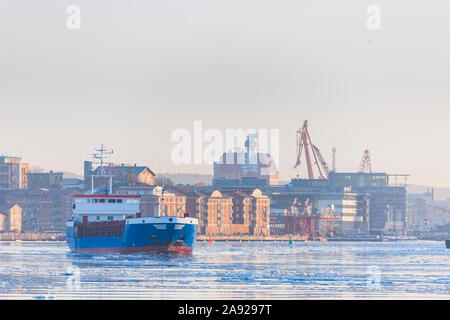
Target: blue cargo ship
column 112, row 224
column 108, row 223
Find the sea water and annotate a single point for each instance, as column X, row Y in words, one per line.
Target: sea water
column 231, row 270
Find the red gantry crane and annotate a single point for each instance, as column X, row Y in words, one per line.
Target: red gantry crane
column 301, row 221
column 365, row 165
column 304, row 142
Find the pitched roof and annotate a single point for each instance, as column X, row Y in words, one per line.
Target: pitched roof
column 4, row 208
column 118, row 170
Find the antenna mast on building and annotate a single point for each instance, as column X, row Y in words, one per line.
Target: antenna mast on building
column 101, row 152
column 333, row 165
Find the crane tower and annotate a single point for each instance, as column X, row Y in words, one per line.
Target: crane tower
column 365, row 165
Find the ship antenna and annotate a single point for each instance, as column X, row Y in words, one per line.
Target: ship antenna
column 101, row 152
column 162, row 197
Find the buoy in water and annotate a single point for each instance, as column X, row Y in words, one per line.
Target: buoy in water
column 290, row 240
column 210, row 240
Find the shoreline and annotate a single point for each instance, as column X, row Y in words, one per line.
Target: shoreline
column 32, row 236
column 36, row 236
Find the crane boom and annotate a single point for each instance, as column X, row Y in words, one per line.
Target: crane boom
column 304, row 142
column 322, row 160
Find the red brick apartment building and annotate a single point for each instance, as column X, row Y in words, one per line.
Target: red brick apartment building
column 151, row 203
column 43, row 210
column 222, row 213
column 218, row 212
column 10, row 218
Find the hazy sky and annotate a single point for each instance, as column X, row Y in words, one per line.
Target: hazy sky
column 138, row 70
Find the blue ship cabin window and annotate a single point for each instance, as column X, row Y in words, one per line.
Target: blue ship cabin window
column 101, row 200
column 110, row 218
column 119, row 200
column 111, row 200
column 98, row 217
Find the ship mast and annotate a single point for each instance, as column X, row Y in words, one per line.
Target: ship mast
column 101, row 152
column 162, row 198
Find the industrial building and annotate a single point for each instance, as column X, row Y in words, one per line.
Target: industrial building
column 388, row 203
column 47, row 180
column 359, row 202
column 246, row 167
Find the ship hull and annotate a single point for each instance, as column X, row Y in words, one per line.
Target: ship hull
column 136, row 236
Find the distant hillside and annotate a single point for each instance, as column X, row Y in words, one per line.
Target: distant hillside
column 70, row 175
column 439, row 193
column 188, row 178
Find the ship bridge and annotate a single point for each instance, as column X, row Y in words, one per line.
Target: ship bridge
column 91, row 208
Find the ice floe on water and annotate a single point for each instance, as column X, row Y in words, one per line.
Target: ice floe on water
column 401, row 269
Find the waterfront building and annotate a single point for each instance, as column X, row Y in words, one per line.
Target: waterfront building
column 224, row 212
column 46, row 180
column 148, row 200
column 43, row 210
column 388, row 203
column 13, row 173
column 123, row 175
column 10, row 218
column 219, row 210
column 246, row 167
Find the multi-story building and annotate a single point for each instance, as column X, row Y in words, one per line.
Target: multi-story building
column 148, row 199
column 151, row 202
column 195, row 207
column 228, row 213
column 43, row 210
column 172, row 203
column 387, row 203
column 247, row 167
column 13, row 173
column 427, row 214
column 242, row 209
column 47, row 180
column 260, row 215
column 10, row 218
column 123, row 175
column 219, row 214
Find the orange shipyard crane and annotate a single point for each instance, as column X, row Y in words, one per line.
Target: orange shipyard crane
column 304, row 142
column 365, row 165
